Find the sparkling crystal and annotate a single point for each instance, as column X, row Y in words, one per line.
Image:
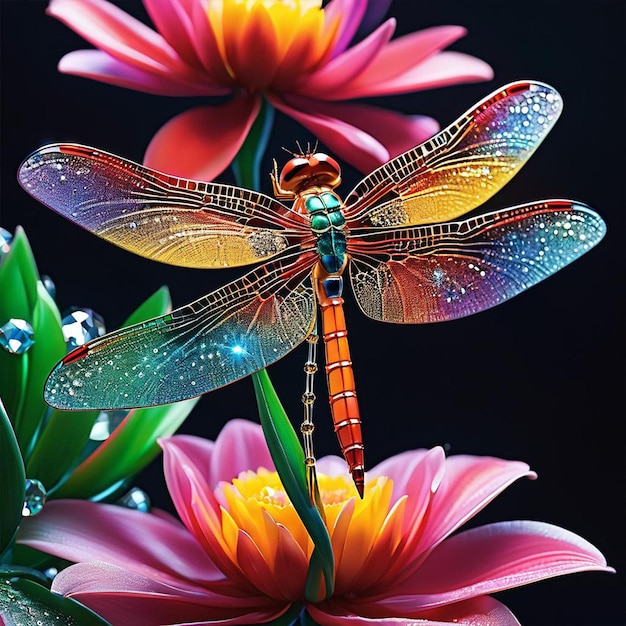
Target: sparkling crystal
column 105, row 424
column 50, row 573
column 136, row 499
column 34, row 497
column 81, row 326
column 5, row 241
column 49, row 285
column 16, row 336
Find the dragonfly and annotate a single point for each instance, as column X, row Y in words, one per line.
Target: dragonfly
column 398, row 234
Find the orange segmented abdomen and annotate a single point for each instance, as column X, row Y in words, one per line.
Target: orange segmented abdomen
column 342, row 394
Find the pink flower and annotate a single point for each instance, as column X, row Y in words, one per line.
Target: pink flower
column 240, row 556
column 295, row 55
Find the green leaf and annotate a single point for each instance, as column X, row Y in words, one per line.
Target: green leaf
column 23, row 375
column 157, row 304
column 29, row 604
column 12, row 482
column 288, row 457
column 128, row 450
column 59, row 447
column 247, row 163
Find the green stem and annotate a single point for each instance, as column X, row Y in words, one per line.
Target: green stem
column 246, row 165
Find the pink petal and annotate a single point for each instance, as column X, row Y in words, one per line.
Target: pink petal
column 202, row 142
column 440, row 70
column 332, row 465
column 109, row 28
column 130, row 599
column 174, row 23
column 349, row 13
column 492, row 558
column 482, row 611
column 79, row 530
column 240, row 446
column 196, row 503
column 205, row 45
column 469, row 484
column 362, row 135
column 346, row 67
column 101, row 66
column 344, row 140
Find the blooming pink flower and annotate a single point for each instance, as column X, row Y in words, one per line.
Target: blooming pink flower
column 241, row 553
column 295, row 55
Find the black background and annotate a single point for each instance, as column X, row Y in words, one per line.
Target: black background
column 538, row 379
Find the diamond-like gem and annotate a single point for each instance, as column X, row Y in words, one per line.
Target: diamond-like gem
column 136, row 499
column 16, row 336
column 80, row 326
column 34, row 497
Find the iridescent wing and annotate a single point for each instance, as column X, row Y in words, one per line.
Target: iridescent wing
column 158, row 216
column 462, row 166
column 445, row 271
column 222, row 337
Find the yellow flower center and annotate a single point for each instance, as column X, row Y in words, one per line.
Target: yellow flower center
column 256, row 502
column 269, row 44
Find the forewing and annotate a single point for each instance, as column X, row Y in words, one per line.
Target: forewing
column 161, row 217
column 226, row 335
column 462, row 166
column 446, row 271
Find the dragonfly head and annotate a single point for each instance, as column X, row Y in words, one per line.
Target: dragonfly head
column 309, row 170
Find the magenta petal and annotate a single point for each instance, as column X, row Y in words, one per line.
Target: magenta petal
column 101, row 66
column 344, row 140
column 332, row 465
column 362, row 135
column 481, row 611
column 131, row 599
column 349, row 13
column 202, row 142
column 495, row 557
column 469, row 484
column 182, row 473
column 109, row 28
column 344, row 68
column 440, row 70
column 79, row 530
column 239, row 447
column 174, row 23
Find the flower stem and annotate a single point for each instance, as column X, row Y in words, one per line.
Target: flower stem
column 246, row 165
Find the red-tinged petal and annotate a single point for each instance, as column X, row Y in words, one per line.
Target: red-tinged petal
column 205, row 44
column 348, row 13
column 101, row 66
column 174, row 22
column 291, row 566
column 482, row 611
column 202, row 142
column 346, row 67
column 109, row 28
column 492, row 558
column 440, row 70
column 252, row 47
column 344, row 140
column 79, row 530
column 240, row 446
column 130, row 599
column 255, row 567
